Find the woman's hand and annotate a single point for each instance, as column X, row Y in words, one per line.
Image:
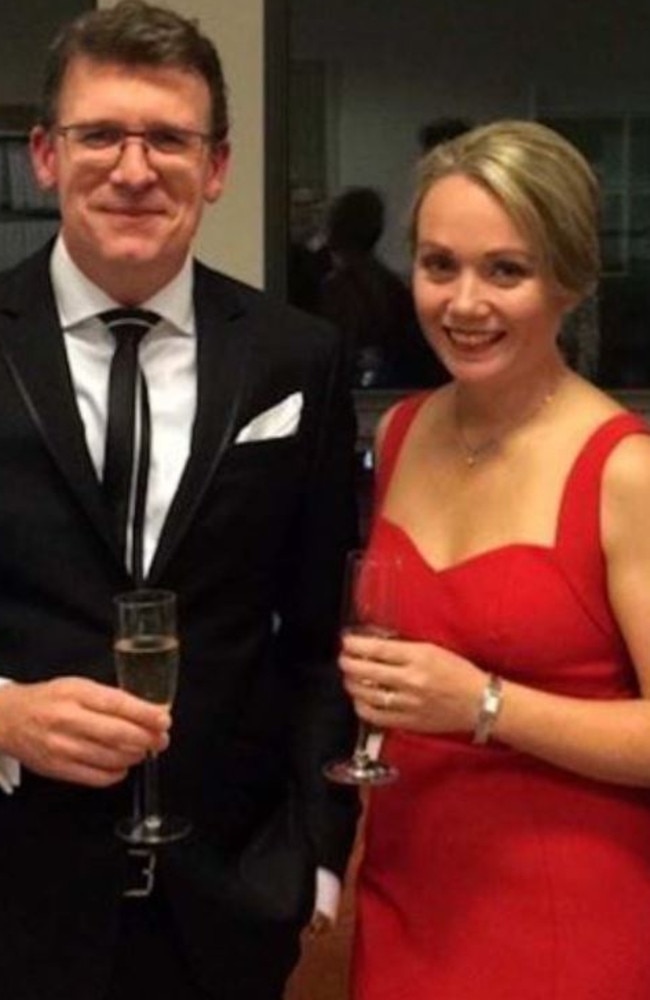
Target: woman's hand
column 411, row 685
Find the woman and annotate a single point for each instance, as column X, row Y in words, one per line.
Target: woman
column 511, row 859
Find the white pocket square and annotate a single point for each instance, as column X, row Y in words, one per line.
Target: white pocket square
column 278, row 421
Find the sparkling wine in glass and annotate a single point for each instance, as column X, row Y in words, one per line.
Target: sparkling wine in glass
column 370, row 601
column 146, row 650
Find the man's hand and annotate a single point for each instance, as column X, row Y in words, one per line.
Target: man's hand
column 74, row 729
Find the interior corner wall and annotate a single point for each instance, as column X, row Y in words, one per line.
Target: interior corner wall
column 231, row 237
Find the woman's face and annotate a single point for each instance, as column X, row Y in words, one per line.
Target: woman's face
column 484, row 300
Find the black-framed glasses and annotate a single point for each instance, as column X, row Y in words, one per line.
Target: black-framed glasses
column 99, row 140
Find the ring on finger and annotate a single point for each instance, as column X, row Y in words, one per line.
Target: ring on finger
column 388, row 698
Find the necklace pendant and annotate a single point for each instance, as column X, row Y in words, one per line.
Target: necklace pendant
column 473, row 454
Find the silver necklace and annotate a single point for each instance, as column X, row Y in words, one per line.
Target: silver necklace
column 475, row 453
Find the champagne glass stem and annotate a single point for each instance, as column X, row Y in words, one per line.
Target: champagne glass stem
column 361, row 755
column 152, row 813
column 138, row 795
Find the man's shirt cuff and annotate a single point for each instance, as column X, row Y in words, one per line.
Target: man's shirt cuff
column 328, row 894
column 9, row 766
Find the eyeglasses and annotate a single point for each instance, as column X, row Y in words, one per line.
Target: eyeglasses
column 107, row 142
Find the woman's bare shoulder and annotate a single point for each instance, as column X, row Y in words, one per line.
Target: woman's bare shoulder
column 592, row 399
column 584, row 409
column 627, row 471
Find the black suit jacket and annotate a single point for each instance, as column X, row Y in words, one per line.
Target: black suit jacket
column 253, row 546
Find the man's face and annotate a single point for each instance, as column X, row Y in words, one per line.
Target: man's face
column 129, row 213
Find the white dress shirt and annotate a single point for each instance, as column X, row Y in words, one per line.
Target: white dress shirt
column 167, row 356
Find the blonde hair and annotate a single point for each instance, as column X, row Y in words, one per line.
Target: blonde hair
column 544, row 184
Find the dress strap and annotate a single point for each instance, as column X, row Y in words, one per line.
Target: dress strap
column 579, row 520
column 579, row 539
column 399, row 422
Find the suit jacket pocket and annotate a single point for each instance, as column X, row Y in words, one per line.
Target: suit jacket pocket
column 271, row 450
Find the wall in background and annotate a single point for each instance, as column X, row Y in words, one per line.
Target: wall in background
column 392, row 66
column 386, row 68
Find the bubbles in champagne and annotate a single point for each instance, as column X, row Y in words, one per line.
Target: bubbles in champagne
column 147, row 666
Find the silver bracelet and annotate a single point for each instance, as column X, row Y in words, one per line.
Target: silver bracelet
column 489, row 709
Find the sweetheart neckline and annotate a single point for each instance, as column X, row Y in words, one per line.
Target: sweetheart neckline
column 620, row 424
column 467, row 560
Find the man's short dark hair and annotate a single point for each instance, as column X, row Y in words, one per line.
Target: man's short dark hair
column 135, row 33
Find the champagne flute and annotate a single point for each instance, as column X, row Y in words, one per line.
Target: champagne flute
column 370, row 602
column 146, row 660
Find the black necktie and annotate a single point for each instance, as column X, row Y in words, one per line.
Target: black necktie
column 125, row 471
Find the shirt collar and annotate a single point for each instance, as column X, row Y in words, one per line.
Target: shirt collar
column 78, row 299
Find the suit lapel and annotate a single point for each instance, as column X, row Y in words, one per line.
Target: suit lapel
column 224, row 345
column 32, row 345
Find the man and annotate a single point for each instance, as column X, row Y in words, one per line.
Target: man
column 248, row 514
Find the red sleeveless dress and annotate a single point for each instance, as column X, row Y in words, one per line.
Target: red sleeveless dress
column 486, row 872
